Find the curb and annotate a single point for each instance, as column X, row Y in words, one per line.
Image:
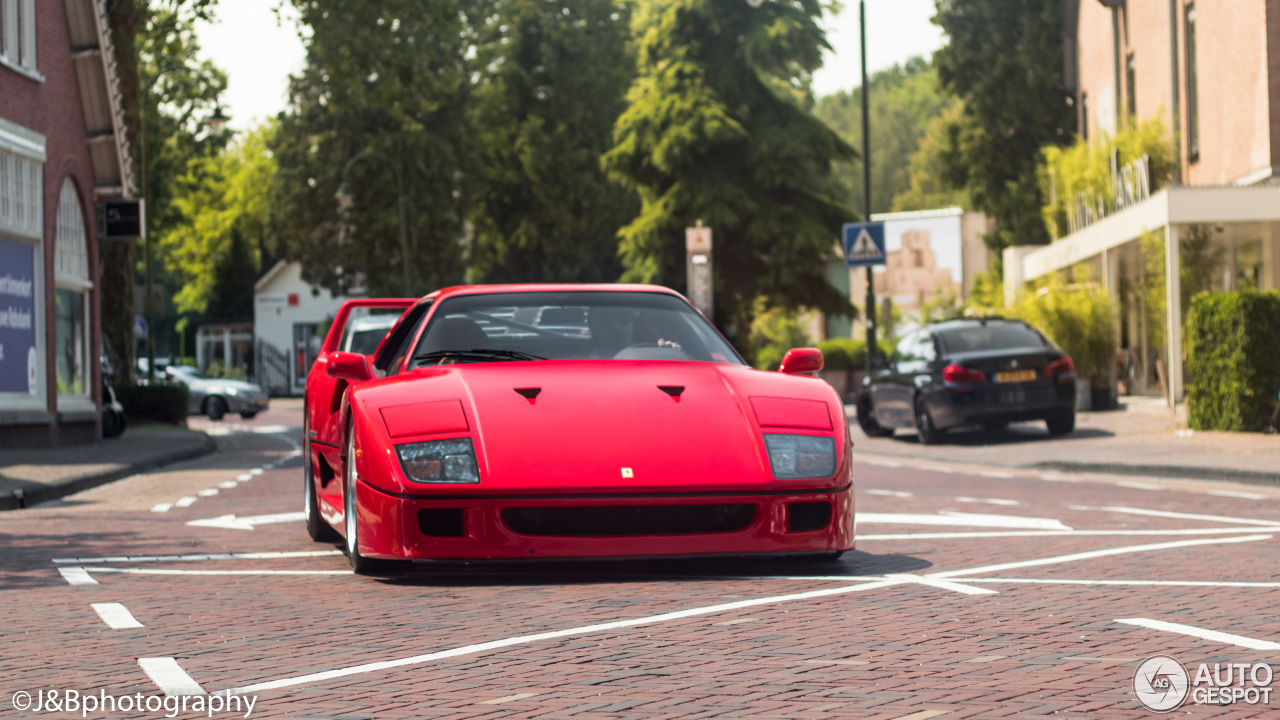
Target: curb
column 1252, row 477
column 26, row 497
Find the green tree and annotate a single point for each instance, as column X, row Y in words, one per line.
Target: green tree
column 391, row 79
column 546, row 115
column 904, row 100
column 927, row 167
column 719, row 128
column 1003, row 58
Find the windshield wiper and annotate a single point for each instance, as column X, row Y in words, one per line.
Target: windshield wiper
column 478, row 354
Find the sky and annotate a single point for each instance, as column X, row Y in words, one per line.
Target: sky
column 259, row 53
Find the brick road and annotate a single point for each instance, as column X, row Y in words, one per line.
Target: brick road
column 915, row 624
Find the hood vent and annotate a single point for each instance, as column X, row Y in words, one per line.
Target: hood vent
column 528, row 393
column 673, row 390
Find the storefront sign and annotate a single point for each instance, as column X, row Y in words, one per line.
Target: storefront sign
column 17, row 318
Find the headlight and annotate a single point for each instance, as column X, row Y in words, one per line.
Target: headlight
column 440, row 461
column 801, row 456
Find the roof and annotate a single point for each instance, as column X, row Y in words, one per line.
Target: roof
column 549, row 287
column 269, row 275
column 93, row 57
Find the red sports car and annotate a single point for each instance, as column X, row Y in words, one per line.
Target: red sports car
column 568, row 421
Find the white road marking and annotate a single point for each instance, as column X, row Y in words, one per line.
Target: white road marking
column 988, row 501
column 882, row 463
column 1096, row 554
column 923, row 715
column 255, row 472
column 942, row 584
column 208, row 493
column 507, row 699
column 1140, row 486
column 186, row 501
column 231, row 522
column 890, row 493
column 116, row 616
column 76, row 576
column 270, row 429
column 995, row 474
column 165, row 571
column 1234, row 494
column 1051, row 533
column 169, row 676
column 246, row 477
column 962, row 520
column 189, row 558
column 1180, row 516
column 526, row 639
column 937, row 469
column 1214, row 635
column 162, row 507
column 1136, row 583
column 1058, row 478
column 228, row 484
column 735, row 622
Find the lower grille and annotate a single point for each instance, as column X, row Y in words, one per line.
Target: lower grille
column 615, row 521
column 808, row 516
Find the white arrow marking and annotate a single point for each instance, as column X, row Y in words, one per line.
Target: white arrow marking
column 958, row 519
column 231, row 522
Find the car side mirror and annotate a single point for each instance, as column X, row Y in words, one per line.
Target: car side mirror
column 801, row 360
column 349, row 366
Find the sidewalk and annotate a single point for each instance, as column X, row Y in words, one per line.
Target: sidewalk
column 36, row 475
column 1142, row 438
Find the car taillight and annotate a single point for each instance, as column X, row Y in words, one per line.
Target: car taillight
column 1063, row 368
column 959, row 374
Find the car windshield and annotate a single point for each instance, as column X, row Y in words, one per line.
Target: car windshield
column 989, row 336
column 569, row 325
column 186, row 373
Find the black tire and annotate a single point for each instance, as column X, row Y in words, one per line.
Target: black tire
column 1061, row 425
column 113, row 424
column 926, row 430
column 867, row 420
column 215, row 407
column 317, row 527
column 249, row 415
column 360, row 565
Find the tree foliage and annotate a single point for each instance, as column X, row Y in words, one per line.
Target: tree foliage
column 927, row 168
column 904, row 100
column 559, row 72
column 390, row 82
column 719, row 128
column 1003, row 58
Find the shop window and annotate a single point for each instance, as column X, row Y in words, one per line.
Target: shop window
column 71, row 273
column 18, row 34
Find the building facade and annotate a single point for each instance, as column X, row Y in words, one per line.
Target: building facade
column 1210, row 70
column 62, row 149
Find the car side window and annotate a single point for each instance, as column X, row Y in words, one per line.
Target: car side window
column 906, row 350
column 398, row 345
column 925, row 349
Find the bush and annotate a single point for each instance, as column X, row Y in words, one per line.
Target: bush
column 847, row 354
column 1233, row 342
column 1080, row 318
column 164, row 403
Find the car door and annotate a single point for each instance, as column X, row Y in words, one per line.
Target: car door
column 892, row 400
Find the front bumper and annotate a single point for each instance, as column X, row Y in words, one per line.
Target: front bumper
column 567, row 526
column 247, row 404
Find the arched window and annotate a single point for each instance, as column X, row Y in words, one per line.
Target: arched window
column 71, row 274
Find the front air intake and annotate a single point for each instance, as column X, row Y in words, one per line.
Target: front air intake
column 615, row 521
column 808, row 516
column 441, row 522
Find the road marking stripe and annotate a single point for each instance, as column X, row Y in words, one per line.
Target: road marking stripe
column 943, row 584
column 116, row 616
column 1096, row 554
column 1214, row 635
column 246, row 477
column 76, row 576
column 162, row 507
column 554, row 635
column 962, row 520
column 1058, row 478
column 255, row 472
column 735, row 622
column 890, row 493
column 988, row 501
column 1051, row 533
column 208, row 493
column 1158, row 583
column 937, row 469
column 1180, row 516
column 1234, row 494
column 187, row 558
column 1139, row 486
column 228, row 484
column 883, row 463
column 166, row 571
column 995, row 474
column 186, row 501
column 509, row 698
column 923, row 715
column 169, row 676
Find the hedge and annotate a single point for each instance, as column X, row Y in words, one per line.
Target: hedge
column 847, row 354
column 1233, row 363
column 165, row 403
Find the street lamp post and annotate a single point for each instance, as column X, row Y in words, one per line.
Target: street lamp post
column 217, row 123
column 866, row 187
column 344, row 199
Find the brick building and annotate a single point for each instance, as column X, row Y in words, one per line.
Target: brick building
column 1210, row 69
column 62, row 148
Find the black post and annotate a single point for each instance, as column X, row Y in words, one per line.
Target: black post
column 870, row 314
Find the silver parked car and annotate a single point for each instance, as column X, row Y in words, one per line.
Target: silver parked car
column 216, row 397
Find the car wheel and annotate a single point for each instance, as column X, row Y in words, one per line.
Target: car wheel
column 360, row 564
column 867, row 420
column 249, row 415
column 215, row 407
column 926, row 430
column 317, row 528
column 1061, row 425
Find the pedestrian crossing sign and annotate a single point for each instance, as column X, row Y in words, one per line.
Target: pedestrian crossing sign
column 864, row 244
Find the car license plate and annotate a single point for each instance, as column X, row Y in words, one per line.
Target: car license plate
column 1014, row 376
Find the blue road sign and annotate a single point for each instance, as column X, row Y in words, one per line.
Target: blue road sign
column 864, row 244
